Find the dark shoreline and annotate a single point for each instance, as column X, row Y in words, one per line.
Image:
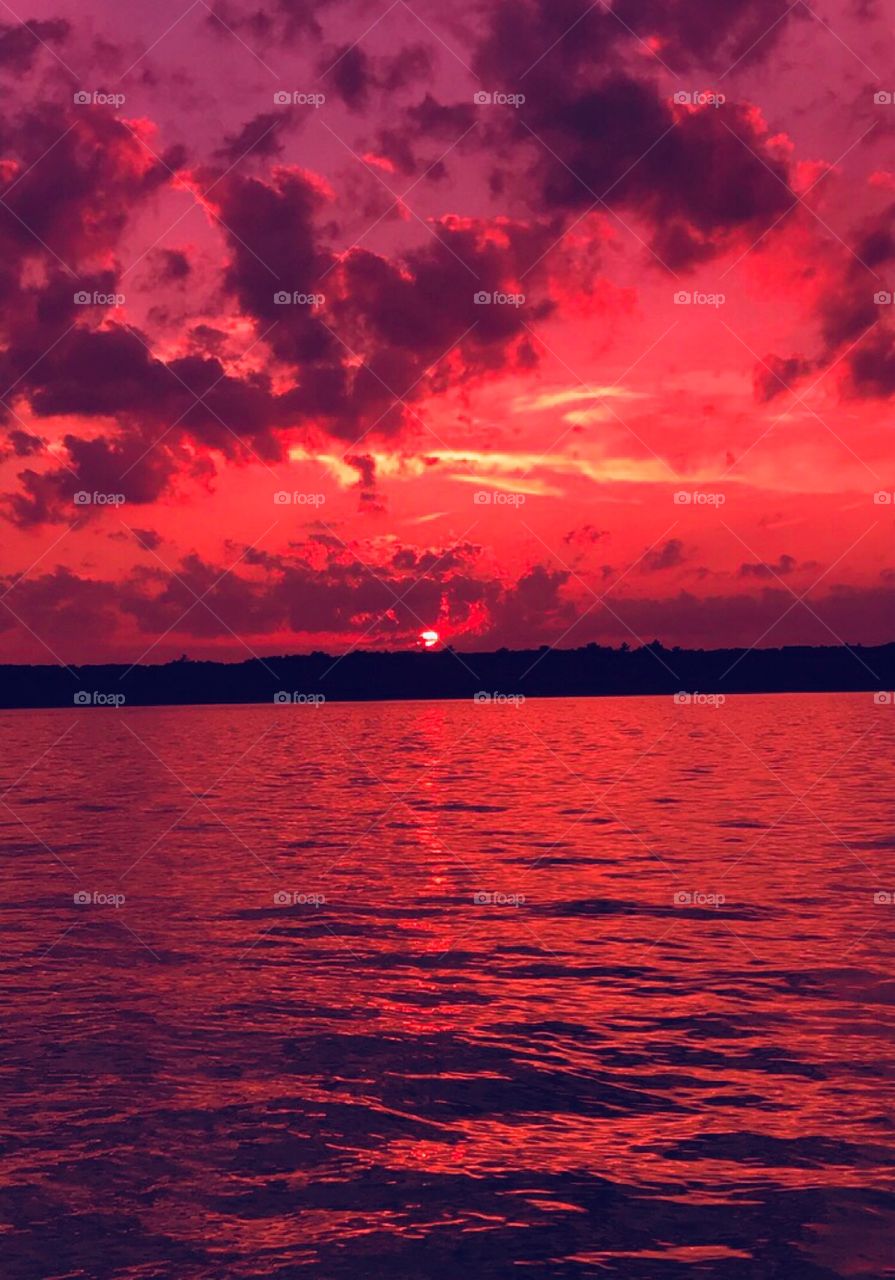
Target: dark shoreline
column 361, row 676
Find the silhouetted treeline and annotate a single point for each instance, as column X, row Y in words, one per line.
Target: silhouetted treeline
column 592, row 671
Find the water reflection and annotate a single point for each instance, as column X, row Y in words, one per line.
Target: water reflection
column 587, row 987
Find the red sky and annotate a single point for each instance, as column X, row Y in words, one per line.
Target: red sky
column 503, row 471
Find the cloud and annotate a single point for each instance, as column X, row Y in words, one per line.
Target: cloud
column 324, row 593
column 855, row 329
column 259, row 137
column 670, row 555
column 785, row 565
column 356, row 75
column 386, row 325
column 584, row 536
column 21, row 44
column 595, row 127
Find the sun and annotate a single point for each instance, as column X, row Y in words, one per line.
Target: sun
column 429, row 639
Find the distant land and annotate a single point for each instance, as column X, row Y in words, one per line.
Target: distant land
column 364, row 676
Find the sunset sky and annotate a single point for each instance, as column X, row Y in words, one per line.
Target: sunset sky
column 384, row 453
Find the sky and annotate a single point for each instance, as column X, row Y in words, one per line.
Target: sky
column 530, row 322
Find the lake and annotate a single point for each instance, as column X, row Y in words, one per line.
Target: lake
column 572, row 988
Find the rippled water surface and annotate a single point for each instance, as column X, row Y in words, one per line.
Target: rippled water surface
column 661, row 1046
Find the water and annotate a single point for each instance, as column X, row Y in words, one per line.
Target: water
column 591, row 1074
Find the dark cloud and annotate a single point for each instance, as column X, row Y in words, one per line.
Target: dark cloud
column 23, row 444
column 22, row 44
column 776, row 375
column 342, row 599
column 59, row 607
column 386, row 324
column 365, row 465
column 339, row 595
column 851, row 615
column 595, row 127
column 279, row 21
column 585, row 535
column 702, row 34
column 78, row 174
column 124, row 465
column 112, row 373
column 570, row 40
column 356, row 75
column 872, row 367
column 174, row 266
column 260, row 137
column 785, row 565
column 697, row 177
column 856, row 330
column 668, row 556
column 148, row 538
column 534, row 607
